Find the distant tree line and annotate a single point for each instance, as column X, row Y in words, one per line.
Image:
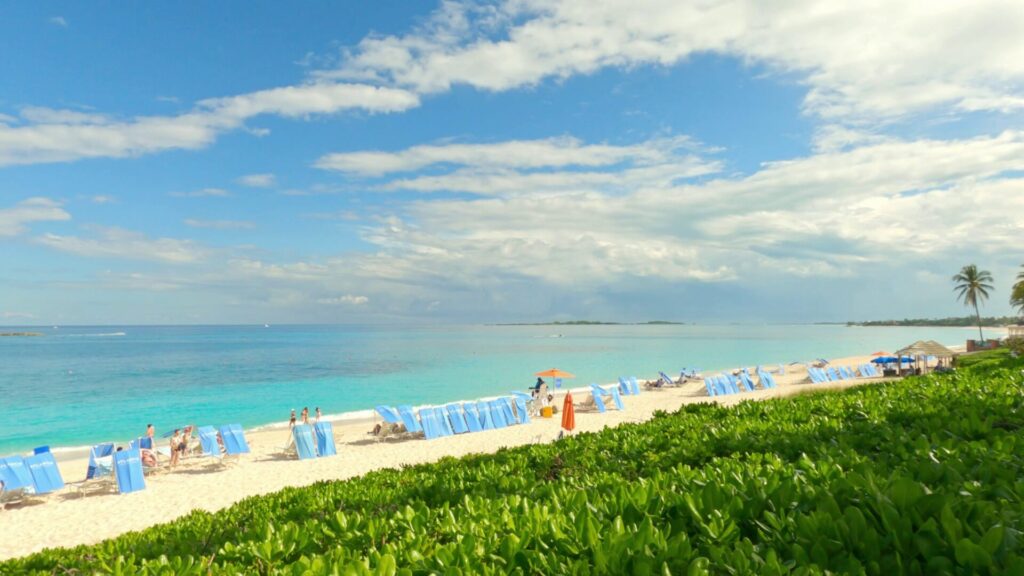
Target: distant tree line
column 963, row 321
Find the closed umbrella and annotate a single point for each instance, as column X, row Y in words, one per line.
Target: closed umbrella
column 568, row 413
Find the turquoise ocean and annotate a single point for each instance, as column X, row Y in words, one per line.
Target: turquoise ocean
column 75, row 386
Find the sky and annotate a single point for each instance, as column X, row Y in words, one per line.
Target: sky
column 508, row 161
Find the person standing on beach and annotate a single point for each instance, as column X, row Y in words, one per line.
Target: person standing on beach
column 317, row 414
column 150, row 431
column 175, row 447
column 305, row 415
column 291, row 421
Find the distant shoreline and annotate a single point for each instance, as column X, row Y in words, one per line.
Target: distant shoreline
column 19, row 334
column 591, row 323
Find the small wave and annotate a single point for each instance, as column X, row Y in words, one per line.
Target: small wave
column 98, row 335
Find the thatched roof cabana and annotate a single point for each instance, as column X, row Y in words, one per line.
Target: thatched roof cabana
column 926, row 348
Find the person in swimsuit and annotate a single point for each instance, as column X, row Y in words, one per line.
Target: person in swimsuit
column 291, row 421
column 317, row 414
column 305, row 415
column 175, row 447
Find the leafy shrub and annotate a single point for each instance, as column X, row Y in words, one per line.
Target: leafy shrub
column 922, row 476
column 1015, row 345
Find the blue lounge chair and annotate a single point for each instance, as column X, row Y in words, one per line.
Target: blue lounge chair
column 412, row 425
column 710, row 387
column 442, row 419
column 305, row 445
column 598, row 401
column 17, row 479
column 832, row 374
column 472, row 417
column 389, row 414
column 497, row 414
column 745, row 380
column 521, row 411
column 234, row 439
column 624, row 387
column 617, row 399
column 431, row 426
column 486, row 422
column 99, row 451
column 508, row 410
column 324, row 439
column 208, row 443
column 46, row 476
column 128, row 471
column 634, row 385
column 767, row 380
column 458, row 420
column 667, row 379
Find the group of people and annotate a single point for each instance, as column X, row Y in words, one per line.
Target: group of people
column 540, row 394
column 305, row 417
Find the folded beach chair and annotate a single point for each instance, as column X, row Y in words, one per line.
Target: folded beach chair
column 17, row 479
column 442, row 419
column 99, row 476
column 634, row 385
column 99, row 451
column 497, row 414
column 745, row 380
column 521, row 410
column 832, row 374
column 459, row 423
column 531, row 403
column 725, row 385
column 767, row 380
column 472, row 417
column 599, row 394
column 324, row 439
column 509, row 411
column 710, row 387
column 624, row 387
column 486, row 423
column 667, row 379
column 128, row 471
column 46, row 476
column 412, row 425
column 305, row 446
column 617, row 399
column 392, row 425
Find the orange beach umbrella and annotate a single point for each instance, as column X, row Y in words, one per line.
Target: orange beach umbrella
column 881, row 353
column 568, row 413
column 554, row 373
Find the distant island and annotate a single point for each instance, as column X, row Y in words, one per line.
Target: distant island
column 3, row 334
column 591, row 323
column 962, row 321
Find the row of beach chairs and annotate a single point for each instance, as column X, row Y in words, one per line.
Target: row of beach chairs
column 437, row 421
column 833, row 373
column 28, row 477
column 724, row 384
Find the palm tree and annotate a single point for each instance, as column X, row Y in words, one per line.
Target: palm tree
column 972, row 284
column 1017, row 292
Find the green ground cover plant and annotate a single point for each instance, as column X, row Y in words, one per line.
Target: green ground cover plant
column 920, row 476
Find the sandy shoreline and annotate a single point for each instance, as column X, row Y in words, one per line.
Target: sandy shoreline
column 67, row 520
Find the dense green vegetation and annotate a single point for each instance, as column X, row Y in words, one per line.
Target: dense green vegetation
column 963, row 321
column 922, row 476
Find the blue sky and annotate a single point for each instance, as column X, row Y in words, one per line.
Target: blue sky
column 506, row 161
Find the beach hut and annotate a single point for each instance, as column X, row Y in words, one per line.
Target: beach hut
column 923, row 350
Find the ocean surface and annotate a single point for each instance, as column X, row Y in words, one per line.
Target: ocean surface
column 75, row 386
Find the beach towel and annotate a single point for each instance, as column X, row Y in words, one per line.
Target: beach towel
column 99, row 451
column 234, row 439
column 305, row 446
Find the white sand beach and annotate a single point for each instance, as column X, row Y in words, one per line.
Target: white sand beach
column 68, row 520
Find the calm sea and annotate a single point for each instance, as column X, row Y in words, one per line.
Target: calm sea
column 81, row 385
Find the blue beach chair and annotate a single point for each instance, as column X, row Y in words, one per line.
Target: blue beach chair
column 667, row 379
column 458, row 420
column 624, row 387
column 234, row 440
column 324, row 439
column 472, row 417
column 497, row 414
column 442, row 419
column 634, row 385
column 486, row 422
column 748, row 384
column 389, row 414
column 767, row 380
column 99, row 451
column 710, row 387
column 128, row 471
column 305, row 445
column 617, row 399
column 208, row 442
column 508, row 410
column 431, row 426
column 521, row 411
column 46, row 476
column 412, row 425
column 17, row 479
column 832, row 374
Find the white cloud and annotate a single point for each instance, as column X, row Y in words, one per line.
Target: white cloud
column 219, row 224
column 7, row 315
column 203, row 193
column 65, row 135
column 127, row 244
column 347, row 299
column 14, row 220
column 58, row 21
column 869, row 59
column 103, row 199
column 258, row 180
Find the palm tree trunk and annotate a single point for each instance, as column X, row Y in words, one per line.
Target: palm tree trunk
column 978, row 314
